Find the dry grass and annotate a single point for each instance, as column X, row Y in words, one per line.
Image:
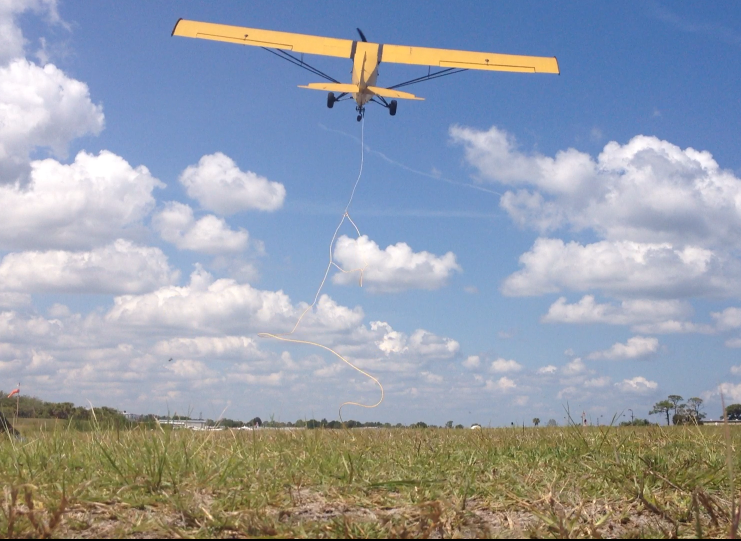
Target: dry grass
column 568, row 482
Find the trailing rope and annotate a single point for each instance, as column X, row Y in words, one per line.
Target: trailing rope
column 284, row 336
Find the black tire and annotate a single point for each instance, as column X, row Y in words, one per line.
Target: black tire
column 330, row 100
column 392, row 107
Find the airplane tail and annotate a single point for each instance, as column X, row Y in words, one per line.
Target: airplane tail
column 333, row 87
column 389, row 93
column 354, row 89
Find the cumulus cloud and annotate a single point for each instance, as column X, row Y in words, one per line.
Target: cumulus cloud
column 421, row 342
column 208, row 304
column 638, row 346
column 503, row 384
column 14, row 300
column 546, row 370
column 644, row 315
column 121, row 267
column 209, row 346
column 504, row 366
column 41, row 107
column 210, row 235
column 219, row 185
column 733, row 343
column 637, row 385
column 731, row 392
column 623, row 268
column 12, row 42
column 597, row 383
column 473, row 361
column 574, row 368
column 730, row 318
column 628, row 312
column 396, row 268
column 645, row 191
column 93, row 200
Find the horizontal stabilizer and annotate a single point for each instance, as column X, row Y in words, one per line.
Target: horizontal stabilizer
column 333, row 87
column 389, row 93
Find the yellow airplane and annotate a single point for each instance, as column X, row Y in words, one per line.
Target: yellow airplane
column 366, row 58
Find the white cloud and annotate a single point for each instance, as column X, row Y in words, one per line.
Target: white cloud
column 504, row 366
column 272, row 380
column 733, row 343
column 93, row 200
column 429, row 377
column 623, row 268
column 628, row 312
column 210, row 235
column 121, row 267
column 546, row 370
column 219, row 185
column 731, row 392
column 12, row 42
column 736, row 370
column 14, row 300
column 730, row 318
column 394, row 269
column 41, row 107
column 421, row 342
column 638, row 346
column 218, row 305
column 473, row 361
column 209, row 346
column 574, row 368
column 189, row 369
column 637, row 385
column 503, row 384
column 597, row 383
column 646, row 191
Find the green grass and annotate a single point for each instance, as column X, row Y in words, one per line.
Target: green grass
column 566, row 482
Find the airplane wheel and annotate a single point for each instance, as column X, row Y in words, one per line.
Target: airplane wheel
column 360, row 117
column 392, row 107
column 330, row 100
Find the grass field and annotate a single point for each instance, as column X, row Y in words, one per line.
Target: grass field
column 546, row 482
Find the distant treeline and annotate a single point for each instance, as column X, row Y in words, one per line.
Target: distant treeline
column 29, row 407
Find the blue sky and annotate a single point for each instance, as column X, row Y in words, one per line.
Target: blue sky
column 532, row 241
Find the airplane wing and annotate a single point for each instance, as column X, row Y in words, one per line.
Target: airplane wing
column 298, row 43
column 449, row 58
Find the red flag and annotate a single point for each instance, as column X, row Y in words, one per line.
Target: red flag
column 14, row 392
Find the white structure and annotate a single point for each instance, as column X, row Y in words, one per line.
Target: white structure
column 192, row 424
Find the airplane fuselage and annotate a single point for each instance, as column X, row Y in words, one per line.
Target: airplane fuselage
column 366, row 58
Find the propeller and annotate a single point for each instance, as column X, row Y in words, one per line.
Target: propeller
column 362, row 36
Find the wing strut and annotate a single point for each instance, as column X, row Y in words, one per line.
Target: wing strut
column 429, row 77
column 300, row 63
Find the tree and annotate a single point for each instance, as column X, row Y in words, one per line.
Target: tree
column 536, row 421
column 449, row 424
column 733, row 412
column 636, row 422
column 694, row 405
column 664, row 407
column 676, row 401
column 552, row 423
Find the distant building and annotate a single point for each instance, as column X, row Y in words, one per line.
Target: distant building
column 191, row 424
column 133, row 417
